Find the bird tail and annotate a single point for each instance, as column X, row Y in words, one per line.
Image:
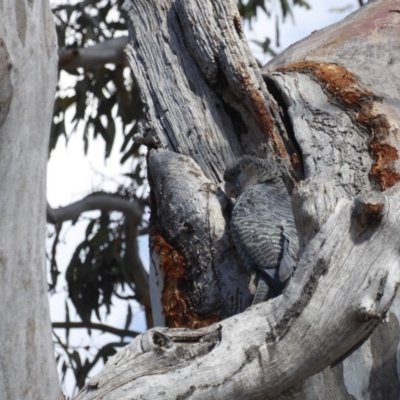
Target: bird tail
column 268, row 285
column 261, row 292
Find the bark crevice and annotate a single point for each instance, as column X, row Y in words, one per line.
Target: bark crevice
column 293, row 147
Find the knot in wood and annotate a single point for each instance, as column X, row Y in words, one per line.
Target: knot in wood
column 368, row 209
column 147, row 139
column 6, row 88
column 161, row 340
column 366, row 311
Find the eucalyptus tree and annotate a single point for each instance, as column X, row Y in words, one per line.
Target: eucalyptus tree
column 326, row 108
column 96, row 86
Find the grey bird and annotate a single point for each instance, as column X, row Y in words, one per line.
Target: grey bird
column 262, row 223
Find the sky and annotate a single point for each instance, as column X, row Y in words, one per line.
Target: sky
column 72, row 175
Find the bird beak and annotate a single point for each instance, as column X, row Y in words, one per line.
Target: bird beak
column 229, row 190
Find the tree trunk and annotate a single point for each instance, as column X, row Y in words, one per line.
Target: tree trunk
column 330, row 107
column 28, row 76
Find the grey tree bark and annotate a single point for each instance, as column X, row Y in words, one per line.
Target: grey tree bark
column 330, row 106
column 28, row 77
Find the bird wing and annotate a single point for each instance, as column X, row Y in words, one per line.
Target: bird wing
column 290, row 249
column 257, row 230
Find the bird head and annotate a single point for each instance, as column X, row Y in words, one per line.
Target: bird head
column 248, row 171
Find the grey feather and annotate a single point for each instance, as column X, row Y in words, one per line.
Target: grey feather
column 262, row 223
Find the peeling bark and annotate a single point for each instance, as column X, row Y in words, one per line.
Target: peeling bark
column 344, row 78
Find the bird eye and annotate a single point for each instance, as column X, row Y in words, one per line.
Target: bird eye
column 231, row 175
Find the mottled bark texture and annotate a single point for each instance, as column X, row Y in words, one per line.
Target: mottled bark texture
column 330, row 107
column 28, row 77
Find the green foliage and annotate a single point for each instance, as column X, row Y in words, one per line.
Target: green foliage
column 80, row 362
column 100, row 96
column 97, row 274
column 98, row 267
column 88, row 21
column 102, row 102
column 249, row 10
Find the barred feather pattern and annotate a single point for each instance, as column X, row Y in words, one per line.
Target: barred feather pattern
column 263, row 229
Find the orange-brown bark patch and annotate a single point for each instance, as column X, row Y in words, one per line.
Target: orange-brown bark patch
column 340, row 83
column 384, row 154
column 342, row 88
column 297, row 163
column 174, row 298
column 259, row 107
column 378, row 125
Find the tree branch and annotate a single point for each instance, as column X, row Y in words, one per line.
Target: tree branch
column 96, row 201
column 91, row 325
column 108, row 52
column 140, row 275
column 288, row 331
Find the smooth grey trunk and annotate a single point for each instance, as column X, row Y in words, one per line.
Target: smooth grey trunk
column 330, row 107
column 28, row 76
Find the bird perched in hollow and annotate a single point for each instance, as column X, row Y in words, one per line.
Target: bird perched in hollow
column 262, row 223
